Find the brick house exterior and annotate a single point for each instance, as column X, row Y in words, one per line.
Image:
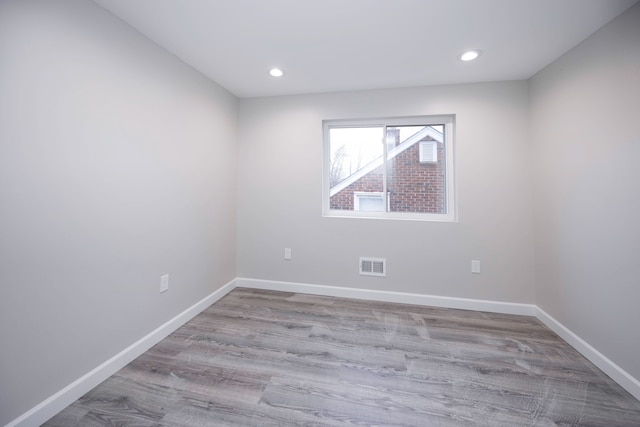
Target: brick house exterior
column 412, row 186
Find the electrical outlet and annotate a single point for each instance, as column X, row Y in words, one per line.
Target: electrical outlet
column 164, row 283
column 475, row 266
column 287, row 253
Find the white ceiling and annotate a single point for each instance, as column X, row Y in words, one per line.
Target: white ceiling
column 338, row 45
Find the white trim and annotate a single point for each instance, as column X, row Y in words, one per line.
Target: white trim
column 389, row 296
column 63, row 398
column 615, row 372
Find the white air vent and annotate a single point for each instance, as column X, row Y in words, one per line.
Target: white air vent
column 428, row 152
column 373, row 266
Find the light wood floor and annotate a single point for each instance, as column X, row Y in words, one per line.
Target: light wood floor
column 263, row 358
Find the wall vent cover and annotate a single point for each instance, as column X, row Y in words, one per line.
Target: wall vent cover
column 373, row 266
column 428, row 151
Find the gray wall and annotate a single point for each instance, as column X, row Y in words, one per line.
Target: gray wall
column 279, row 196
column 586, row 134
column 117, row 165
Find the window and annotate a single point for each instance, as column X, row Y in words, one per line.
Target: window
column 392, row 168
column 371, row 201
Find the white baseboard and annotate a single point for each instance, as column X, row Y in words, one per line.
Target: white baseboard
column 615, row 372
column 388, row 296
column 60, row 400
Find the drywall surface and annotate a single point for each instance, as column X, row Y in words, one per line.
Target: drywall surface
column 280, row 190
column 117, row 165
column 586, row 137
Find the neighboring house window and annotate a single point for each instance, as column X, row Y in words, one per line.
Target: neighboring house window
column 370, row 201
column 410, row 160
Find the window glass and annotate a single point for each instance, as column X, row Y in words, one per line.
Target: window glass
column 355, row 164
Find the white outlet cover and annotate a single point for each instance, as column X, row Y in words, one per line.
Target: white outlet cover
column 287, row 253
column 475, row 267
column 164, row 283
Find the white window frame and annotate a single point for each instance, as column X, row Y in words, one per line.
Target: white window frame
column 447, row 121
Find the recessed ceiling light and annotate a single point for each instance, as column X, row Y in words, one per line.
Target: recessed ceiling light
column 276, row 72
column 470, row 55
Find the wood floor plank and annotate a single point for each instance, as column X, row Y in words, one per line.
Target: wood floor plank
column 266, row 358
